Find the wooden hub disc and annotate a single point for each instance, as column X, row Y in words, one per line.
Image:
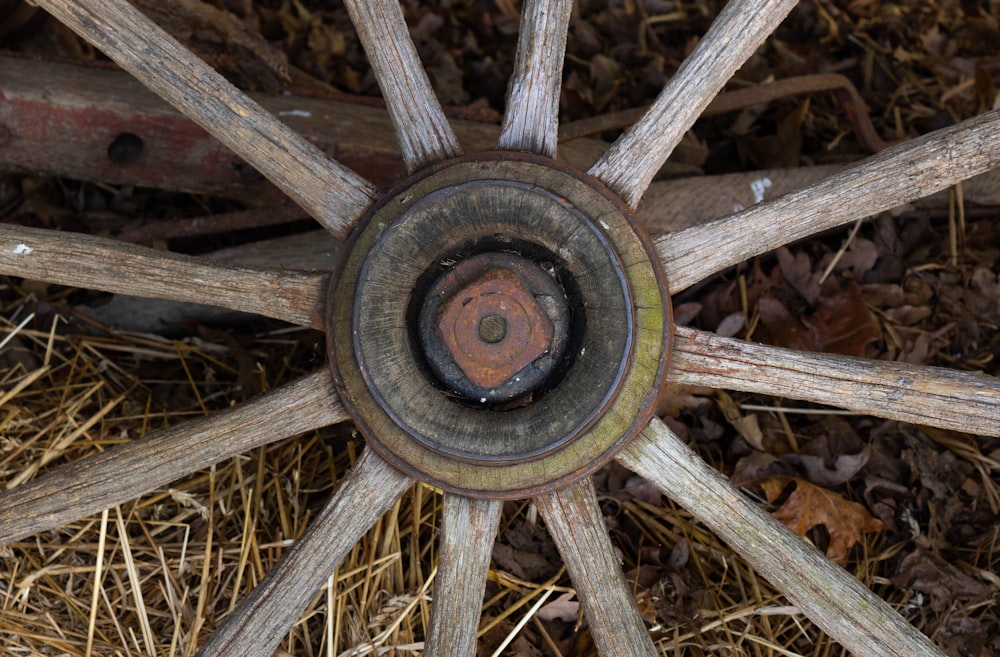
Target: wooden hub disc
column 439, row 263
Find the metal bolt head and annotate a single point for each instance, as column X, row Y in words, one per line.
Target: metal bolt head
column 493, row 328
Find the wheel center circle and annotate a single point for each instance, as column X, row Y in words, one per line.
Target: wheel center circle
column 498, row 325
column 494, row 328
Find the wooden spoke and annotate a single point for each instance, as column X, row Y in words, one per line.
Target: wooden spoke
column 961, row 401
column 574, row 520
column 837, row 602
column 103, row 264
column 633, row 160
column 897, row 175
column 531, row 121
column 261, row 620
column 125, row 472
column 423, row 131
column 329, row 192
column 468, row 531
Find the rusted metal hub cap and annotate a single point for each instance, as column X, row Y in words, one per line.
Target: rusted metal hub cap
column 498, row 325
column 494, row 327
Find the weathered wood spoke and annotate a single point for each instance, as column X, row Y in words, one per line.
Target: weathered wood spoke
column 329, row 192
column 573, row 518
column 102, row 264
column 633, row 160
column 837, row 602
column 468, row 531
column 531, row 120
column 125, row 472
column 423, row 131
column 262, row 619
column 897, row 175
column 961, row 401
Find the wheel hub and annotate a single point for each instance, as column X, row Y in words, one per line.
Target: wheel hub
column 499, row 326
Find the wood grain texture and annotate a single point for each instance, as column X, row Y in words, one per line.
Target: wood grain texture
column 834, row 600
column 574, row 520
column 329, row 192
column 934, row 396
column 62, row 118
column 421, row 127
column 468, row 531
column 137, row 467
column 673, row 205
column 633, row 160
column 103, row 264
column 531, row 120
column 515, row 198
column 895, row 176
column 261, row 620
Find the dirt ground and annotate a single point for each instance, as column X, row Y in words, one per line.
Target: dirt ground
column 911, row 511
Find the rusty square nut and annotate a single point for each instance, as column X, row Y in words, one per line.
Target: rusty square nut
column 493, row 328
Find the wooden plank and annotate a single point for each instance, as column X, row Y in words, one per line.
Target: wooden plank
column 421, row 127
column 261, row 620
column 574, row 520
column 633, row 160
column 468, row 531
column 331, row 193
column 834, row 600
column 960, row 401
column 897, row 175
column 62, row 118
column 531, row 120
column 140, row 466
column 102, row 264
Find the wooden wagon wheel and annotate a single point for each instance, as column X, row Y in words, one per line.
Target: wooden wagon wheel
column 432, row 320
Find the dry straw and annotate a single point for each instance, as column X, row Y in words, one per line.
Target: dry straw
column 154, row 576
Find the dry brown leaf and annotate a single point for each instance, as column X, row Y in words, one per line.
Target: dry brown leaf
column 810, row 506
column 684, row 313
column 886, row 295
column 844, row 467
column 798, row 271
column 842, row 323
column 784, row 329
column 928, row 573
column 731, row 324
column 861, row 256
column 835, row 456
column 746, row 425
column 564, row 608
column 757, row 466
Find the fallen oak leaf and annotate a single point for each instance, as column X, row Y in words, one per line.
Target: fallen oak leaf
column 810, row 506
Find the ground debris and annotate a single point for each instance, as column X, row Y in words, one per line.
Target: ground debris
column 912, row 511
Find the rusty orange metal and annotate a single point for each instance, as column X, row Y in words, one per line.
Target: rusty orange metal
column 493, row 328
